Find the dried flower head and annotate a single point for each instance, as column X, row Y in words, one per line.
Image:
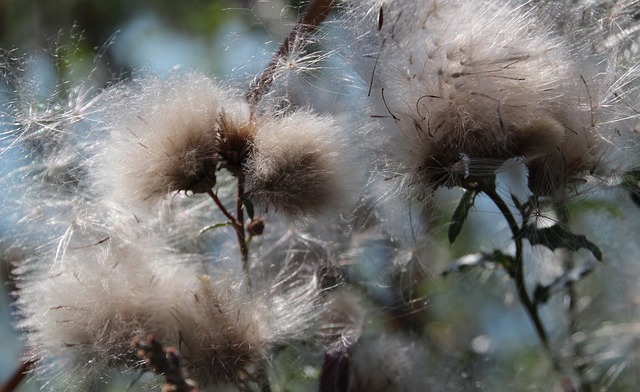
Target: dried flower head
column 298, row 164
column 87, row 296
column 90, row 295
column 464, row 86
column 170, row 136
column 227, row 333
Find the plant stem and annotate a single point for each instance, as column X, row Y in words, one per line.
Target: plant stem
column 18, row 376
column 571, row 296
column 517, row 274
column 222, row 208
column 316, row 13
column 237, row 222
column 240, row 230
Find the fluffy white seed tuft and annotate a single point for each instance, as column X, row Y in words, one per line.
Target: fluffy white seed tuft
column 298, row 166
column 170, row 135
column 87, row 296
column 461, row 87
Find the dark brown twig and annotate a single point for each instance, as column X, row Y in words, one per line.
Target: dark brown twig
column 237, row 223
column 240, row 230
column 165, row 362
column 18, row 376
column 316, row 13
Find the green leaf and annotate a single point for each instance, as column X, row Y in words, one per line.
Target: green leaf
column 631, row 181
column 217, row 225
column 249, row 206
column 481, row 259
column 609, row 207
column 557, row 237
column 460, row 214
column 517, row 203
column 544, row 292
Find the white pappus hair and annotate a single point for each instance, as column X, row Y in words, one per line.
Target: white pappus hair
column 92, row 292
column 298, row 165
column 168, row 136
column 464, row 86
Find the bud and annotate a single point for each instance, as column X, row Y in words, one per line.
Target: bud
column 255, row 226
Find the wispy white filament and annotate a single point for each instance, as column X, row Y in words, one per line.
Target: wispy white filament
column 485, row 80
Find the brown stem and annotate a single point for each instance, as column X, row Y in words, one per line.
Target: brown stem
column 223, row 209
column 240, row 230
column 237, row 222
column 18, row 376
column 316, row 13
column 164, row 362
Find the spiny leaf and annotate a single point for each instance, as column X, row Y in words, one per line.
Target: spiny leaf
column 480, row 260
column 544, row 292
column 460, row 214
column 249, row 206
column 631, row 181
column 217, row 225
column 517, row 203
column 557, row 237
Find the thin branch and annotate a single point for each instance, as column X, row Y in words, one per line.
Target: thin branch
column 164, row 362
column 18, row 376
column 223, row 209
column 240, row 230
column 518, row 276
column 316, row 13
column 237, row 222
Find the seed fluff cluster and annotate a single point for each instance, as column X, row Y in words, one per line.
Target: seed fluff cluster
column 461, row 87
column 118, row 259
column 98, row 295
column 176, row 135
column 135, row 203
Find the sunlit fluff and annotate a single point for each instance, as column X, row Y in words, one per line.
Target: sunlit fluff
column 166, row 136
column 460, row 87
column 299, row 166
column 89, row 295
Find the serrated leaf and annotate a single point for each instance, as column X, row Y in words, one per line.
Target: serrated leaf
column 217, row 225
column 249, row 206
column 544, row 292
column 460, row 214
column 517, row 203
column 557, row 237
column 481, row 259
column 631, row 181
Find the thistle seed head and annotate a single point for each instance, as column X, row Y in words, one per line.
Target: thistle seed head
column 169, row 136
column 297, row 165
